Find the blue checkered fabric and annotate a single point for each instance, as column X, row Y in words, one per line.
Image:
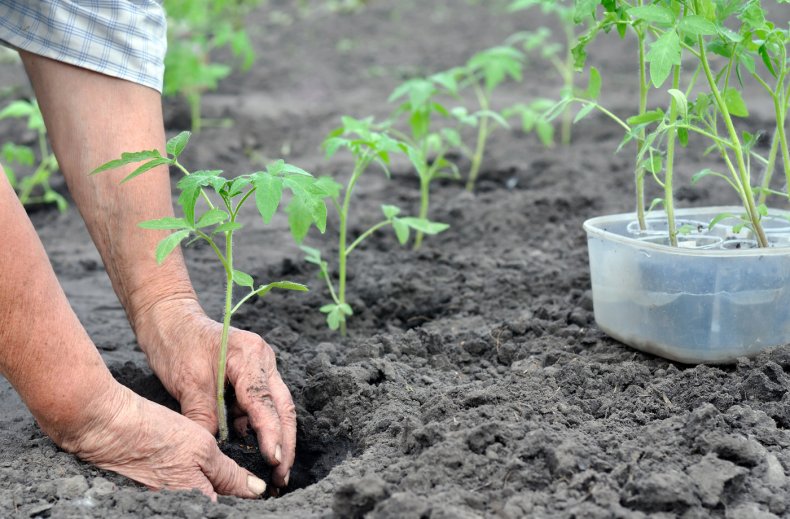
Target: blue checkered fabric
column 120, row 38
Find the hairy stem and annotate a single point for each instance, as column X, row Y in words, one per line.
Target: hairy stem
column 567, row 79
column 342, row 247
column 639, row 173
column 669, row 197
column 222, row 416
column 425, row 197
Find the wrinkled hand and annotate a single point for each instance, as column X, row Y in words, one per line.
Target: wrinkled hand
column 157, row 447
column 182, row 346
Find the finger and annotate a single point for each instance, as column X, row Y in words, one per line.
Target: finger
column 264, row 420
column 201, row 408
column 287, row 413
column 228, row 478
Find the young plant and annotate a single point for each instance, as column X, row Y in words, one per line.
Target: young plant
column 483, row 73
column 558, row 51
column 428, row 147
column 196, row 29
column 701, row 28
column 33, row 188
column 217, row 224
column 367, row 146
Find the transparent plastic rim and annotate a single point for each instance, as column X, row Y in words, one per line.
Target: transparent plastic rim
column 594, row 227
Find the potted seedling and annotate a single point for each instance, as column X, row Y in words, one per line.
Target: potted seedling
column 33, row 188
column 368, row 146
column 702, row 284
column 217, row 224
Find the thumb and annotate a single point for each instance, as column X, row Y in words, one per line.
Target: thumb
column 230, row 479
column 201, row 409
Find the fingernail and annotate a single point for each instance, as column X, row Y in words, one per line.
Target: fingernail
column 256, row 486
column 287, row 477
column 278, row 454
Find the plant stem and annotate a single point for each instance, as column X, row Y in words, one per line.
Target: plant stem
column 364, row 236
column 482, row 136
column 194, row 110
column 639, row 180
column 342, row 248
column 669, row 197
column 567, row 79
column 769, row 169
column 425, row 194
column 743, row 172
column 223, row 346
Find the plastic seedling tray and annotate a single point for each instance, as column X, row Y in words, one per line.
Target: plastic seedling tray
column 714, row 298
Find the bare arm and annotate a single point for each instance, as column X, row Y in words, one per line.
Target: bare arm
column 92, row 119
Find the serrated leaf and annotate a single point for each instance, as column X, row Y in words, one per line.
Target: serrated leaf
column 148, row 166
column 735, row 103
column 299, row 218
column 653, row 13
column 664, row 54
column 128, row 158
column 169, row 244
column 212, row 217
column 696, row 25
column 242, row 279
column 177, row 144
column 401, row 230
column 268, row 193
column 168, row 223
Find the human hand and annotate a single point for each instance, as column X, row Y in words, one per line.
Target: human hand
column 156, row 447
column 182, row 346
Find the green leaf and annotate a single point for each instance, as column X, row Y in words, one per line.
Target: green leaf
column 735, row 103
column 650, row 116
column 148, row 166
column 17, row 109
column 312, row 255
column 227, row 227
column 334, row 318
column 242, row 279
column 177, row 144
column 128, row 158
column 594, row 86
column 346, row 309
column 584, row 112
column 390, row 211
column 168, row 245
column 719, row 217
column 653, row 13
column 168, row 223
column 212, row 217
column 401, row 230
column 268, row 193
column 683, row 136
column 299, row 218
column 681, row 102
column 696, row 25
column 664, row 53
column 424, row 225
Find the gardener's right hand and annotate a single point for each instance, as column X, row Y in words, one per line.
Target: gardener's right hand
column 158, row 448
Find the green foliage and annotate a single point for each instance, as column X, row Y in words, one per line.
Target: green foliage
column 368, row 143
column 224, row 197
column 196, row 30
column 34, row 187
column 727, row 39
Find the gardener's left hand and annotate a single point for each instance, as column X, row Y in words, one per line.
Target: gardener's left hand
column 182, row 346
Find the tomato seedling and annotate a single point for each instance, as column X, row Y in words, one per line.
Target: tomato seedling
column 368, row 146
column 219, row 223
column 197, row 29
column 33, row 188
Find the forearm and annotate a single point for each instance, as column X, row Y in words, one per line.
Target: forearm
column 44, row 351
column 92, row 119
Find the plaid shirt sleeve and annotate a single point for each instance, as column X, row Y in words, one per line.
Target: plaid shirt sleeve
column 120, row 38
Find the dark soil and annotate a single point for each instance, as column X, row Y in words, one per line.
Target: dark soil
column 474, row 382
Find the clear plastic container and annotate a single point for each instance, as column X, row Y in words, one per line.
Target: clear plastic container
column 713, row 299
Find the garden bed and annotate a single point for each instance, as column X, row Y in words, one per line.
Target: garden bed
column 473, row 381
